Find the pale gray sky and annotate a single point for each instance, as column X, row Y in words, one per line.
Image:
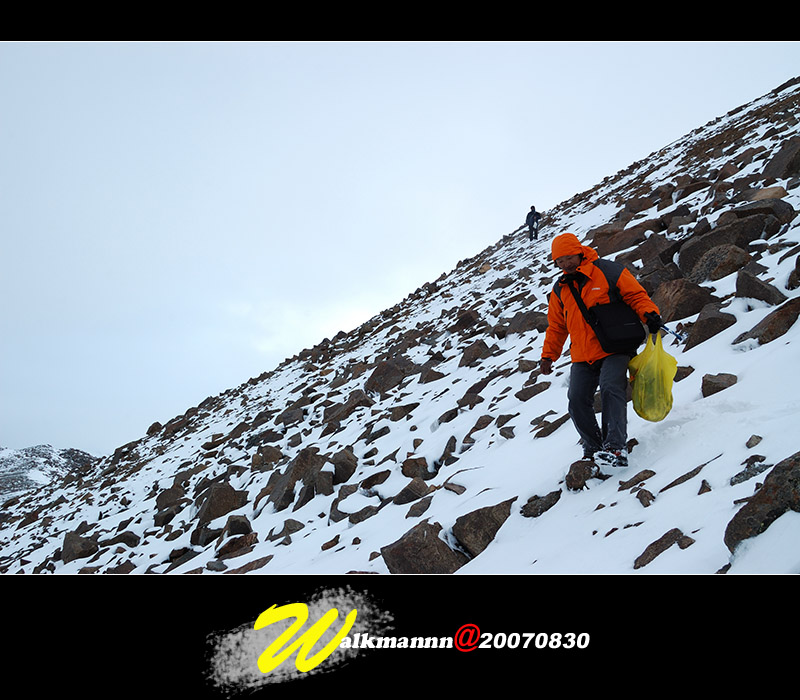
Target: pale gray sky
column 179, row 217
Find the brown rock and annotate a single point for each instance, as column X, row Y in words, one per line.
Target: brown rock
column 680, row 298
column 712, row 320
column 529, row 392
column 779, row 494
column 339, row 412
column 740, row 232
column 714, row 383
column 416, row 467
column 266, row 457
column 636, row 234
column 414, row 490
column 637, row 479
column 388, row 374
column 422, row 551
column 474, row 353
column 764, row 206
column 301, row 470
column 786, row 162
column 475, row 531
column 662, row 544
column 537, row 505
column 579, row 473
column 776, row 192
column 251, row 566
column 345, row 464
column 750, row 287
column 719, row 262
column 794, row 276
column 219, row 500
column 467, row 319
column 645, row 497
column 77, row 547
column 526, row 321
column 774, row 325
column 656, row 272
column 169, row 497
column 237, row 525
column 236, row 546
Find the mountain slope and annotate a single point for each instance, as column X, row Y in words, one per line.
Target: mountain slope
column 28, row 468
column 426, row 440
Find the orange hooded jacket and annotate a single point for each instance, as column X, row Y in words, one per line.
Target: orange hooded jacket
column 565, row 318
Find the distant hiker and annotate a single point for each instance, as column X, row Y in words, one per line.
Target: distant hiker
column 588, row 281
column 532, row 222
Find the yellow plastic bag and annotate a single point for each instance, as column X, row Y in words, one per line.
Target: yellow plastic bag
column 652, row 373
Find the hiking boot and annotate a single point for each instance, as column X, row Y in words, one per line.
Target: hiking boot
column 612, row 458
column 589, row 451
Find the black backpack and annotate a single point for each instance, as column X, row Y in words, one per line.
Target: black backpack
column 616, row 325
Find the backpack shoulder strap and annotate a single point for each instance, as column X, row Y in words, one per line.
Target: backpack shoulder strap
column 612, row 270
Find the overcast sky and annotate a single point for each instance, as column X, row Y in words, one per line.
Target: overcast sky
column 179, row 217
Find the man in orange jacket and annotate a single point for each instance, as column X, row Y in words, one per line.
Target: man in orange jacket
column 591, row 364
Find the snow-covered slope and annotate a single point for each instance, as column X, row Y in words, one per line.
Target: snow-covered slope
column 426, row 440
column 31, row 467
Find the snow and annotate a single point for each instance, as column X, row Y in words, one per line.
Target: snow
column 773, row 552
column 600, row 530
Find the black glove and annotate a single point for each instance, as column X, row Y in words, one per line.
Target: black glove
column 653, row 321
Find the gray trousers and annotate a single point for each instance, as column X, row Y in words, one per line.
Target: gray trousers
column 611, row 375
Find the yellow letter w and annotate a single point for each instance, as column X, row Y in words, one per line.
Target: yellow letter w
column 273, row 657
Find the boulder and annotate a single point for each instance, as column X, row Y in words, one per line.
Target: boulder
column 740, row 232
column 794, row 276
column 719, row 262
column 526, row 321
column 265, row 457
column 712, row 320
column 750, row 287
column 467, row 319
column 610, row 241
column 776, row 192
column 412, row 491
column 774, row 325
column 345, row 464
column 779, row 494
column 341, row 411
column 76, row 546
column 422, row 551
column 218, row 500
column 654, row 247
column 655, row 272
column 537, row 505
column 474, row 531
column 169, row 497
column 766, row 206
column 579, row 473
column 301, row 471
column 678, row 299
column 390, row 373
column 714, row 383
column 662, row 544
column 237, row 525
column 474, row 353
column 786, row 162
column 416, row 467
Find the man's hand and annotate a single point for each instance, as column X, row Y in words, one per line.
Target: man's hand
column 653, row 321
column 546, row 365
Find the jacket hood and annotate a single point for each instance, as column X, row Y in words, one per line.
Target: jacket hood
column 568, row 244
